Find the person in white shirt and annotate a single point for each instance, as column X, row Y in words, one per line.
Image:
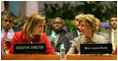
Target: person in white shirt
column 112, row 31
column 56, row 34
column 75, row 33
column 7, row 22
column 7, row 31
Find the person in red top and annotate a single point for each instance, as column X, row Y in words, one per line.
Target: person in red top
column 32, row 32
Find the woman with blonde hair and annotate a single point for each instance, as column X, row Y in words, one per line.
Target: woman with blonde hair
column 87, row 27
column 32, row 32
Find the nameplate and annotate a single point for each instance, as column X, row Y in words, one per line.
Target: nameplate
column 30, row 48
column 95, row 48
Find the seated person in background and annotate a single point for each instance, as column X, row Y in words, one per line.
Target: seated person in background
column 112, row 31
column 32, row 32
column 70, row 36
column 106, row 35
column 56, row 35
column 7, row 31
column 97, row 26
column 87, row 27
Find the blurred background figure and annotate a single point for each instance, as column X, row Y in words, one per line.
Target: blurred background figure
column 106, row 35
column 97, row 24
column 87, row 27
column 112, row 31
column 7, row 31
column 75, row 33
column 56, row 34
column 32, row 32
column 7, row 22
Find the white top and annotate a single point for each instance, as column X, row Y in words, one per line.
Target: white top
column 78, row 33
column 112, row 38
column 53, row 34
column 10, row 33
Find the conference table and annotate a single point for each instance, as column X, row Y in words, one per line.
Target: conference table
column 91, row 57
column 56, row 57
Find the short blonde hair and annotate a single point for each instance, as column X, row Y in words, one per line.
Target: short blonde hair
column 90, row 19
column 31, row 23
column 79, row 14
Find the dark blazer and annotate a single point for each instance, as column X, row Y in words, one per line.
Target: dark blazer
column 72, row 35
column 59, row 42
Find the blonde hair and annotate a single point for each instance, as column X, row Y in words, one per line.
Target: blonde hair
column 97, row 20
column 90, row 19
column 80, row 14
column 31, row 23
